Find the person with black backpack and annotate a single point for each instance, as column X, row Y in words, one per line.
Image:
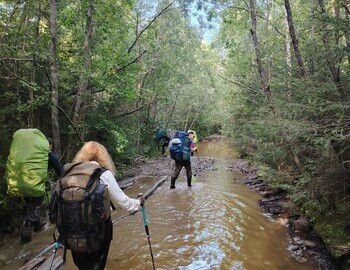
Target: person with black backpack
column 80, row 206
column 162, row 137
column 180, row 149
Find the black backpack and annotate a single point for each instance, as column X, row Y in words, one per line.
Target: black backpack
column 80, row 207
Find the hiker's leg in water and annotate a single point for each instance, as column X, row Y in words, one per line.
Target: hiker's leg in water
column 33, row 208
column 104, row 251
column 32, row 222
column 188, row 172
column 95, row 260
column 84, row 260
column 177, row 169
column 92, row 261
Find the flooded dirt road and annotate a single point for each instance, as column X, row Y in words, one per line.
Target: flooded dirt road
column 216, row 224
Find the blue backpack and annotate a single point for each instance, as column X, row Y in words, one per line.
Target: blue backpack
column 180, row 146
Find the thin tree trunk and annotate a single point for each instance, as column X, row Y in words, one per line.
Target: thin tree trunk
column 27, row 22
column 337, row 16
column 312, row 62
column 294, row 39
column 263, row 78
column 268, row 53
column 54, row 77
column 81, row 96
column 330, row 57
column 32, row 80
column 347, row 32
column 170, row 116
column 79, row 113
column 288, row 49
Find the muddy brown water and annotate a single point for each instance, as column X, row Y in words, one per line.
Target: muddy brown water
column 216, row 224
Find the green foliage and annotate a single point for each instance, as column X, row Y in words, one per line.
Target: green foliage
column 165, row 75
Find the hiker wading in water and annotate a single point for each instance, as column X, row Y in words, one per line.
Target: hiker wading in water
column 182, row 159
column 91, row 156
column 27, row 168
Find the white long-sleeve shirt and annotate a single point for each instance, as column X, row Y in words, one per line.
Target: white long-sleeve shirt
column 117, row 196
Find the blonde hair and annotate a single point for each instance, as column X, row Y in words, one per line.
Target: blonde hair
column 94, row 151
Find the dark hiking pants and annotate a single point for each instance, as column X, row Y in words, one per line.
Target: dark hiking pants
column 178, row 167
column 95, row 260
column 33, row 208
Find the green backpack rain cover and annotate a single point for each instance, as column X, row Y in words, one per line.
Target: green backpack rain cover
column 26, row 166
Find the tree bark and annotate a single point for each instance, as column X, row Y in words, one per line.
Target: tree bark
column 294, row 39
column 54, row 77
column 263, row 78
column 36, row 42
column 288, row 42
column 330, row 57
column 347, row 32
column 81, row 95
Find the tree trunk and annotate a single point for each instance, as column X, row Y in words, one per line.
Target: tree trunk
column 330, row 57
column 347, row 32
column 80, row 101
column 337, row 16
column 294, row 39
column 54, row 77
column 312, row 62
column 170, row 116
column 263, row 78
column 36, row 42
column 288, row 49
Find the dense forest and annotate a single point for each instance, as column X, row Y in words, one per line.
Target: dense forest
column 273, row 76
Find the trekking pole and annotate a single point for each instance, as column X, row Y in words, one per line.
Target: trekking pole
column 147, row 232
column 57, row 245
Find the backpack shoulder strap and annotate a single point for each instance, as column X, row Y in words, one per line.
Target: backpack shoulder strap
column 96, row 175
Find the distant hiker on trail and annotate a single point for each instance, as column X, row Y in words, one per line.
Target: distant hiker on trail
column 181, row 148
column 26, row 174
column 162, row 136
column 88, row 186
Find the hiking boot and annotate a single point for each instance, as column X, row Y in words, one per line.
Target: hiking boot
column 27, row 231
column 172, row 183
column 189, row 182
